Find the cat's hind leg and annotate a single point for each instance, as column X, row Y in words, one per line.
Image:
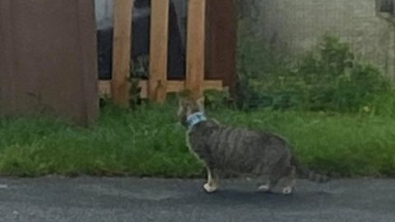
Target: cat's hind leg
column 283, row 181
column 212, row 184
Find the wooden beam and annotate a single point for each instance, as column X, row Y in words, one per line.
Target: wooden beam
column 158, row 50
column 121, row 51
column 179, row 85
column 221, row 42
column 195, row 47
column 175, row 86
column 213, row 84
column 172, row 86
column 104, row 88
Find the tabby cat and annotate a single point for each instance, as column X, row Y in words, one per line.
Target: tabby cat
column 238, row 151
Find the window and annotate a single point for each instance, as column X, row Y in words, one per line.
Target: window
column 386, row 6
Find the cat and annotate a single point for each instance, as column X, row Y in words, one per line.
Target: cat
column 243, row 152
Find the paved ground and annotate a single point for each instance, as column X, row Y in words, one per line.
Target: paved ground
column 141, row 200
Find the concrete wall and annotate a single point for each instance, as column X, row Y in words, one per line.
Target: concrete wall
column 104, row 11
column 294, row 26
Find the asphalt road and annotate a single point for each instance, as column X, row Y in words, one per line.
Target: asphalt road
column 141, row 200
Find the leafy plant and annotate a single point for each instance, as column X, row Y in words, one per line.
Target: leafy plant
column 139, row 69
column 328, row 78
column 259, row 69
column 216, row 99
column 334, row 80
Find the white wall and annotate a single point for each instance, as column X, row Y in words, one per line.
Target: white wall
column 294, row 26
column 104, row 13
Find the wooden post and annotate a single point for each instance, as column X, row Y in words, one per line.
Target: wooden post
column 195, row 47
column 121, row 51
column 221, row 43
column 158, row 50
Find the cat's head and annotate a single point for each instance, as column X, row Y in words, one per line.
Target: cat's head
column 188, row 106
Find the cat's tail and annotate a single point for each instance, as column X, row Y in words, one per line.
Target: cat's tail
column 308, row 173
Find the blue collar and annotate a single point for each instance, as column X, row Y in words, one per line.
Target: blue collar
column 195, row 118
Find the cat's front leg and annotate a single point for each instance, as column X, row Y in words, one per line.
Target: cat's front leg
column 264, row 186
column 212, row 184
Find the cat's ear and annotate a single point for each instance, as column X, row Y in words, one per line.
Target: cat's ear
column 184, row 94
column 183, row 97
column 200, row 103
column 181, row 102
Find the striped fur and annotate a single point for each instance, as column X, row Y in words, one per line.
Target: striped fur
column 228, row 150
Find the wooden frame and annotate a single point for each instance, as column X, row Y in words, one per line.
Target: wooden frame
column 172, row 86
column 195, row 46
column 386, row 6
column 122, row 51
column 158, row 86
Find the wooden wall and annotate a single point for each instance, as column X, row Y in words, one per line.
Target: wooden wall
column 221, row 42
column 48, row 59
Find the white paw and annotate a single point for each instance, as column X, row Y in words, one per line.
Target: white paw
column 264, row 187
column 208, row 188
column 287, row 190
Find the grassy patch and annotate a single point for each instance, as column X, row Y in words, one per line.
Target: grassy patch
column 149, row 142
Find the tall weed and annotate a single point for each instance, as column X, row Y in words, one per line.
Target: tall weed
column 327, row 78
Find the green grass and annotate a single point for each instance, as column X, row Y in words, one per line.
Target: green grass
column 149, row 142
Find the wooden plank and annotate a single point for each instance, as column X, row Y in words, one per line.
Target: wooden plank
column 172, row 86
column 121, row 51
column 221, row 42
column 213, row 84
column 104, row 88
column 42, row 70
column 88, row 59
column 175, row 86
column 195, row 47
column 158, row 50
column 144, row 89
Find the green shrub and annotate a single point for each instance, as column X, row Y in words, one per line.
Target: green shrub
column 328, row 78
column 334, row 80
column 259, row 70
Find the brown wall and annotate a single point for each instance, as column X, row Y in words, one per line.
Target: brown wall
column 221, row 41
column 48, row 59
